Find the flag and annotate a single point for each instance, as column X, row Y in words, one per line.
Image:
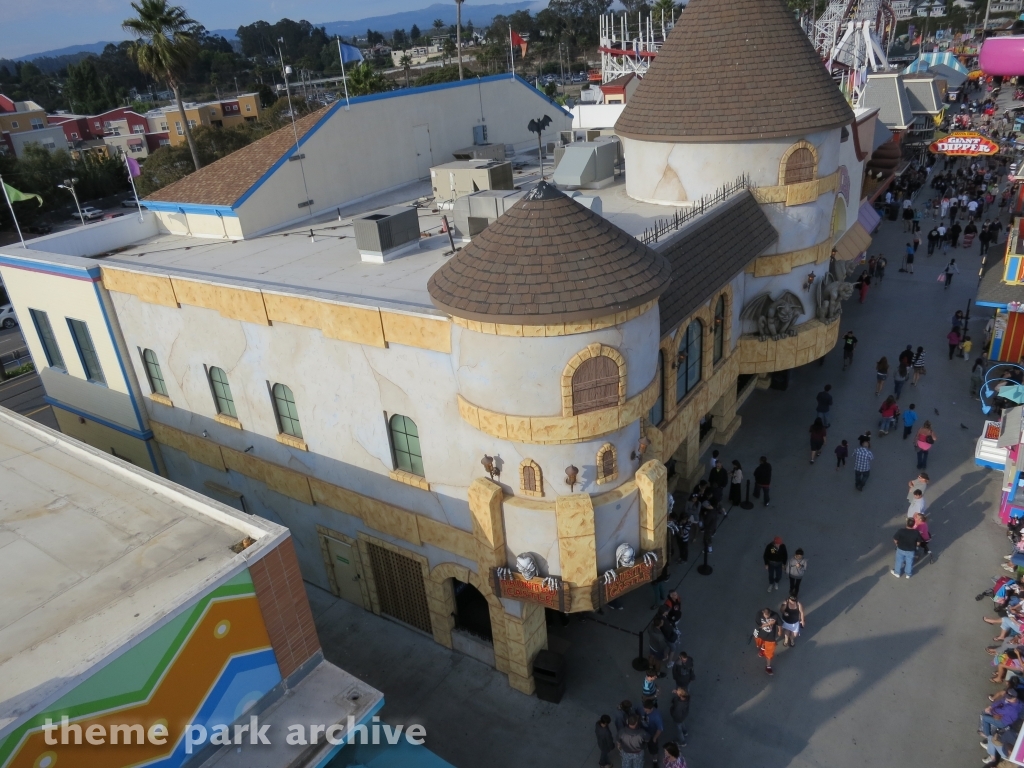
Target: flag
column 133, row 166
column 16, row 197
column 350, row 53
column 517, row 39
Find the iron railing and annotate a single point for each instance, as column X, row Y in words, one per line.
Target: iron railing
column 699, row 208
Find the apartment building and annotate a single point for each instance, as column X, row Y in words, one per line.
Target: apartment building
column 221, row 114
column 23, row 123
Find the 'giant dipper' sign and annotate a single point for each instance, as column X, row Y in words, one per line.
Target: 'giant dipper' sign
column 964, row 144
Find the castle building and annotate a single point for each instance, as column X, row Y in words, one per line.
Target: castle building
column 460, row 435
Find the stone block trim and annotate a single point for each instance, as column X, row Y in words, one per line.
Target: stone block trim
column 797, row 194
column 591, row 351
column 784, row 161
column 401, row 476
column 285, row 608
column 651, row 483
column 370, row 326
column 156, row 397
column 538, row 476
column 603, row 478
column 559, row 430
column 813, row 339
column 783, row 263
column 557, row 329
column 577, row 548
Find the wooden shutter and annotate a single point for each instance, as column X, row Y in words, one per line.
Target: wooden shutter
column 799, row 166
column 595, row 385
column 529, row 478
column 608, row 463
column 400, row 590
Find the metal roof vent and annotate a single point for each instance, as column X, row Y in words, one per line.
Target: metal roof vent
column 387, row 234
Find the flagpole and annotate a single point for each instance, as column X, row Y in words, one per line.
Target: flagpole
column 131, row 179
column 511, row 51
column 344, row 82
column 13, row 216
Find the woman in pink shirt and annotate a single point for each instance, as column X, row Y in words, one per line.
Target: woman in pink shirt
column 953, row 339
column 921, row 526
column 889, row 410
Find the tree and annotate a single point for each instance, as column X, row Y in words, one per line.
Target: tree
column 83, row 89
column 399, row 39
column 666, row 8
column 364, row 80
column 438, row 26
column 415, row 33
column 406, row 63
column 448, row 49
column 164, row 47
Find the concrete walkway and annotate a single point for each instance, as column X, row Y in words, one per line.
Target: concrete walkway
column 888, row 672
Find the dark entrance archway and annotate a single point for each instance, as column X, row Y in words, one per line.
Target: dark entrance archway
column 472, row 614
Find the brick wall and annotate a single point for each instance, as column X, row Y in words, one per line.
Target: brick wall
column 285, row 607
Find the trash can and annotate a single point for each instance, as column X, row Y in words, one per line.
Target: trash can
column 549, row 676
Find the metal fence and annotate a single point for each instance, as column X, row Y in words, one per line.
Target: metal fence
column 699, row 208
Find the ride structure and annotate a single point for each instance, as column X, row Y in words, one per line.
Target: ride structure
column 853, row 37
column 627, row 48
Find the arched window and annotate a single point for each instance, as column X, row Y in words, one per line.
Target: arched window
column 595, row 385
column 607, row 464
column 688, row 362
column 719, row 349
column 284, row 408
column 838, row 219
column 799, row 166
column 657, row 412
column 405, row 444
column 222, row 392
column 531, row 482
column 153, row 373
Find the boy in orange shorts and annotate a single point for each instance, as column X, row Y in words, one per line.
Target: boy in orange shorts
column 767, row 628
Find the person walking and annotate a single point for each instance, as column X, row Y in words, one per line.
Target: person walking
column 824, row 405
column 682, row 671
column 718, row 481
column 862, row 458
column 849, row 344
column 792, row 615
column 953, row 340
column 796, row 569
column 763, row 480
column 632, row 743
column 918, row 365
column 775, row 559
column 605, row 741
column 818, row 436
column 925, row 440
column 919, row 483
column 766, row 633
column 977, row 377
column 954, row 235
column 921, row 526
column 657, row 646
column 889, row 411
column 909, row 419
column 880, row 268
column 881, row 374
column 906, row 357
column 899, row 378
column 933, row 240
column 951, row 267
column 679, row 710
column 842, row 451
column 864, row 282
column 672, row 757
column 653, row 726
column 907, row 540
column 909, row 259
column 736, row 484
column 916, row 505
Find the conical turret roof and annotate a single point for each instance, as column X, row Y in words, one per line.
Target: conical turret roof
column 734, row 70
column 548, row 260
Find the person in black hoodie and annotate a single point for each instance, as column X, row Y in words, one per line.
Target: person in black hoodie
column 682, row 671
column 678, row 709
column 775, row 559
column 605, row 741
column 763, row 479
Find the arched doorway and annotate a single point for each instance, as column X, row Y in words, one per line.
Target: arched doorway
column 472, row 613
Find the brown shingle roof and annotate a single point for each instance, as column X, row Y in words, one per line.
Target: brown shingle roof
column 548, row 260
column 733, row 70
column 224, row 181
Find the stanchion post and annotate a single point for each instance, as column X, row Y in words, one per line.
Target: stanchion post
column 704, row 569
column 640, row 662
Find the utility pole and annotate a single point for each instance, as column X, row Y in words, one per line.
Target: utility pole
column 458, row 33
column 984, row 26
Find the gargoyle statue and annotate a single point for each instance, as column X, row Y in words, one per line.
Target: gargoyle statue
column 774, row 317
column 832, row 293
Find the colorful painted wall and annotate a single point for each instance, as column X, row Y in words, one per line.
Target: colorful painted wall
column 206, row 666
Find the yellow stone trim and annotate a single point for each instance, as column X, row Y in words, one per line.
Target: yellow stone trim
column 651, row 483
column 285, row 481
column 538, row 478
column 227, row 421
column 561, row 329
column 802, row 144
column 370, row 326
column 196, row 448
column 813, row 339
column 156, row 397
column 602, row 478
column 783, row 263
column 559, row 430
column 591, row 351
column 325, row 533
column 292, row 441
column 797, row 194
column 577, row 547
column 409, row 479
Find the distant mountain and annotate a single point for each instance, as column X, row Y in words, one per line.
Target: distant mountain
column 480, row 15
column 71, row 49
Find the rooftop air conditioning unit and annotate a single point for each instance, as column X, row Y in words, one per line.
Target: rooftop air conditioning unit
column 473, row 213
column 387, row 234
column 479, row 134
column 587, row 164
column 451, row 181
column 481, row 152
column 566, row 137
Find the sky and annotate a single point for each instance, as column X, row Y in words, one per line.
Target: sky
column 33, row 26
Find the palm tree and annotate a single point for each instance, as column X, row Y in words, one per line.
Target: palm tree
column 664, row 9
column 458, row 32
column 406, row 63
column 364, row 80
column 438, row 26
column 164, row 49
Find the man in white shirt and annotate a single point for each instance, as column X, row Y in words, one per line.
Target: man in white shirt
column 972, row 207
column 917, row 505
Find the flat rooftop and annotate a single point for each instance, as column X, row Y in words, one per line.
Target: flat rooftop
column 328, row 264
column 94, row 553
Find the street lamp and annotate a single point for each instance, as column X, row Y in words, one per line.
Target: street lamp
column 69, row 185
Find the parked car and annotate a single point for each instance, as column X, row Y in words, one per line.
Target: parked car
column 128, row 202
column 109, row 216
column 88, row 213
column 39, row 228
column 7, row 317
